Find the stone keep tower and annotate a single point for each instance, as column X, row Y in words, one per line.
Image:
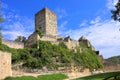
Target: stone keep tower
column 45, row 20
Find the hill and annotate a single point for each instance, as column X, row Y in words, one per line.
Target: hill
column 114, row 60
column 112, row 63
column 53, row 57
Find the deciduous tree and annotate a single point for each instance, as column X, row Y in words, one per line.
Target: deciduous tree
column 1, row 20
column 116, row 12
column 20, row 39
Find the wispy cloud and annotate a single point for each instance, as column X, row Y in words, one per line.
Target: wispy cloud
column 61, row 13
column 97, row 19
column 15, row 24
column 84, row 23
column 62, row 27
column 103, row 35
column 63, row 24
column 111, row 3
column 11, row 31
column 102, row 32
column 4, row 6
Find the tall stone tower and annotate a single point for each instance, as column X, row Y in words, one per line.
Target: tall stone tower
column 45, row 20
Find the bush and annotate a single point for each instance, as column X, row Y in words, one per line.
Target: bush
column 33, row 63
column 62, row 45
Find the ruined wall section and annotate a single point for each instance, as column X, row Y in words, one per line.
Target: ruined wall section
column 72, row 44
column 32, row 39
column 5, row 65
column 13, row 44
column 48, row 38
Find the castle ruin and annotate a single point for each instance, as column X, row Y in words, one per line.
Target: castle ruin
column 46, row 22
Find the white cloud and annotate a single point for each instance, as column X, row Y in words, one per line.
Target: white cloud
column 11, row 31
column 16, row 25
column 61, row 13
column 62, row 27
column 63, row 24
column 97, row 19
column 5, row 6
column 111, row 3
column 84, row 23
column 105, row 36
column 103, row 33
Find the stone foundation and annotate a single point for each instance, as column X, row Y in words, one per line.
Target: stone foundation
column 5, row 65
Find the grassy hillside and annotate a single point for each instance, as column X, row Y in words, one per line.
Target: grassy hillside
column 102, row 76
column 114, row 59
column 41, row 77
column 53, row 56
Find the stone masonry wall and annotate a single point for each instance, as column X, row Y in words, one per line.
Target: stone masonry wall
column 40, row 21
column 51, row 23
column 72, row 44
column 32, row 39
column 45, row 20
column 5, row 65
column 13, row 44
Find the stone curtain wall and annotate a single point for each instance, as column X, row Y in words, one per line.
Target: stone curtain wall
column 5, row 65
column 13, row 44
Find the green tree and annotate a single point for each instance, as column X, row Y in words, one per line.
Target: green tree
column 39, row 32
column 116, row 12
column 63, row 45
column 20, row 39
column 0, row 36
column 1, row 20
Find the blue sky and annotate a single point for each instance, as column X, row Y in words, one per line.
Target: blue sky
column 91, row 18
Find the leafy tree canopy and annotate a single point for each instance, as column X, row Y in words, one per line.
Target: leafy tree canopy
column 39, row 33
column 116, row 12
column 1, row 20
column 53, row 56
column 20, row 39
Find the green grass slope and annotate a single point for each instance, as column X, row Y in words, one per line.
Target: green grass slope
column 102, row 76
column 41, row 77
column 53, row 56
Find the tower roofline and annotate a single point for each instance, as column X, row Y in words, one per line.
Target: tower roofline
column 45, row 9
